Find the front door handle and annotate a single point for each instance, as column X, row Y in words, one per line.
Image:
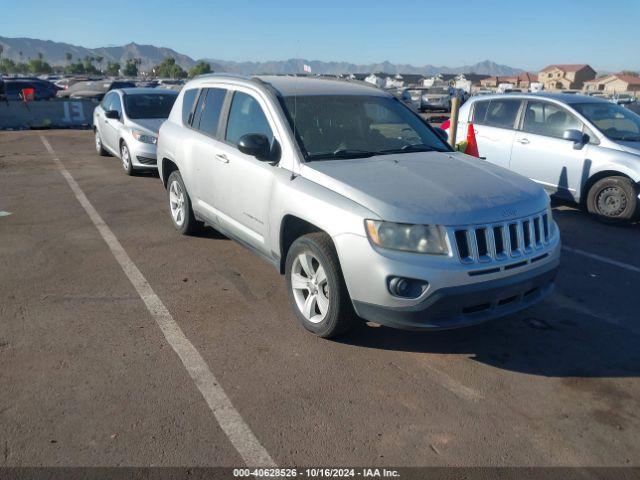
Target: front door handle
column 221, row 157
column 523, row 141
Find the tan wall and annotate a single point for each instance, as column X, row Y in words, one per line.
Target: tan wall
column 617, row 86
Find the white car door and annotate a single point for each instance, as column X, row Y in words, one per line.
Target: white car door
column 246, row 196
column 494, row 124
column 112, row 125
column 209, row 166
column 540, row 153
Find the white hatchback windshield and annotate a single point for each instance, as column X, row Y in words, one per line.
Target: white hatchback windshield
column 614, row 121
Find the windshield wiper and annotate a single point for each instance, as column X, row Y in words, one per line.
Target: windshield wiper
column 342, row 153
column 415, row 147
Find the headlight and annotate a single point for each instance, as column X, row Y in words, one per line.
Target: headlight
column 144, row 138
column 406, row 237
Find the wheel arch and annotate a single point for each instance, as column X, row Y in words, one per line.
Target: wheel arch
column 167, row 166
column 293, row 227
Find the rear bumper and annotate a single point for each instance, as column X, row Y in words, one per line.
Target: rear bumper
column 466, row 305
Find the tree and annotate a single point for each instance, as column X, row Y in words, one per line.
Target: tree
column 75, row 68
column 130, row 68
column 169, row 68
column 100, row 59
column 40, row 56
column 200, row 68
column 7, row 66
column 631, row 73
column 1, row 51
column 113, row 69
column 68, row 57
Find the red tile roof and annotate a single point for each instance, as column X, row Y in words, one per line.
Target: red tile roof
column 565, row 68
column 630, row 79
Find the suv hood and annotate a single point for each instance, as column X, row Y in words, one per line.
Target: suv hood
column 431, row 188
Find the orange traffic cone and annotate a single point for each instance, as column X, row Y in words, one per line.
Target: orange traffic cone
column 472, row 145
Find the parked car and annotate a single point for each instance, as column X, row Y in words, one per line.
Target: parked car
column 126, row 125
column 583, row 149
column 623, row 98
column 94, row 89
column 431, row 98
column 357, row 201
column 43, row 89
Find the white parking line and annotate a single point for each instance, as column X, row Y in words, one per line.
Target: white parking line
column 4, row 214
column 230, row 420
column 593, row 256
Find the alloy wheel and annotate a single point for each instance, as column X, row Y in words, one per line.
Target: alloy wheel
column 310, row 287
column 177, row 203
column 126, row 158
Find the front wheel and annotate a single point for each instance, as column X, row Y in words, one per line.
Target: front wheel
column 125, row 156
column 613, row 200
column 100, row 150
column 316, row 286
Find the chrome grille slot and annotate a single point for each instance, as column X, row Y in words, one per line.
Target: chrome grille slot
column 462, row 241
column 481, row 239
column 503, row 241
column 526, row 229
column 513, row 238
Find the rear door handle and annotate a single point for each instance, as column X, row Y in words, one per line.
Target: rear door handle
column 523, row 141
column 221, row 157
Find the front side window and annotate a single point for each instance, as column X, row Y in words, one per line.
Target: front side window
column 116, row 104
column 351, row 126
column 148, row 105
column 246, row 116
column 542, row 118
column 107, row 102
column 614, row 121
column 502, row 113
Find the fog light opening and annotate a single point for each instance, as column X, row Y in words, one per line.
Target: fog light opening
column 406, row 287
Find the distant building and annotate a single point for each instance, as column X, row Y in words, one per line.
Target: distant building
column 615, row 83
column 395, row 81
column 566, row 77
column 378, row 80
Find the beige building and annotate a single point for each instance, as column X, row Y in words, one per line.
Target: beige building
column 522, row 81
column 615, row 83
column 566, row 77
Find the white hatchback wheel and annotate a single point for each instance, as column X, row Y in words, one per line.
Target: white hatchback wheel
column 177, row 203
column 98, row 143
column 126, row 158
column 310, row 287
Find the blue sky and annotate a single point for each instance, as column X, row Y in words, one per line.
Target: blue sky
column 526, row 34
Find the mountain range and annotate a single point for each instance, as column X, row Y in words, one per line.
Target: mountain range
column 21, row 49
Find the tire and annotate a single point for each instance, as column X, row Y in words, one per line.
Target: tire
column 179, row 201
column 98, row 142
column 613, row 200
column 330, row 311
column 125, row 157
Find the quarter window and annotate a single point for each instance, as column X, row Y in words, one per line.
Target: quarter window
column 246, row 116
column 187, row 105
column 547, row 119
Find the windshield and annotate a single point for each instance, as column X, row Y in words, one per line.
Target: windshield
column 148, row 105
column 352, row 126
column 614, row 121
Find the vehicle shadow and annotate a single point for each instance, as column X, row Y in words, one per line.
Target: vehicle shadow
column 545, row 340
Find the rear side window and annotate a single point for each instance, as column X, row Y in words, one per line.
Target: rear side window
column 497, row 113
column 246, row 116
column 210, row 112
column 502, row 113
column 479, row 112
column 187, row 105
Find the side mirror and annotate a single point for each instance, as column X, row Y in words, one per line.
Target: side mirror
column 112, row 114
column 444, row 136
column 255, row 144
column 577, row 137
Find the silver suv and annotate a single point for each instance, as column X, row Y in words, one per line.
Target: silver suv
column 582, row 149
column 361, row 205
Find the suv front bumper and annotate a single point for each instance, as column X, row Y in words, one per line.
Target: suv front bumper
column 465, row 305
